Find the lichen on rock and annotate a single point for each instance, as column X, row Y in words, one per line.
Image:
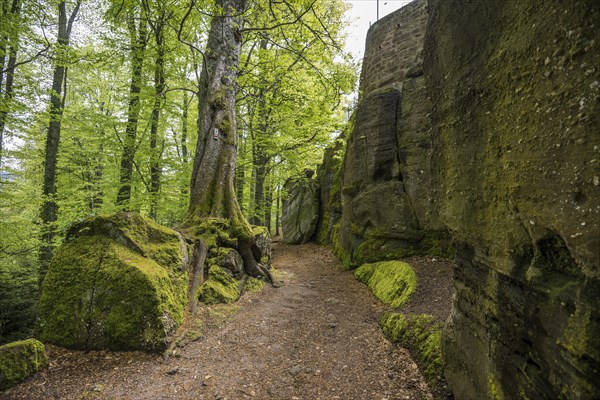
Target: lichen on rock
column 19, row 360
column 116, row 283
column 392, row 282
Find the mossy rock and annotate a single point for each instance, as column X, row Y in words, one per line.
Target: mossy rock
column 116, row 283
column 19, row 360
column 421, row 335
column 219, row 287
column 228, row 259
column 262, row 245
column 254, row 284
column 392, row 282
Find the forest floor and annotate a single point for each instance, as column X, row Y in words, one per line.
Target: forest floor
column 315, row 337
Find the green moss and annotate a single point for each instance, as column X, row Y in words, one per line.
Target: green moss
column 19, row 360
column 382, row 243
column 218, row 288
column 421, row 335
column 339, row 252
column 258, row 230
column 101, row 292
column 392, row 282
column 494, row 389
column 254, row 285
column 578, row 335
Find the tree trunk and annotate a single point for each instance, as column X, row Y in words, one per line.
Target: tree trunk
column 260, row 156
column 211, row 193
column 268, row 203
column 57, row 96
column 159, row 87
column 240, row 172
column 12, row 43
column 138, row 37
column 184, row 148
column 277, row 211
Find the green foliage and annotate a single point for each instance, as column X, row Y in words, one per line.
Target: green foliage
column 19, row 287
column 294, row 86
column 392, row 282
column 19, row 360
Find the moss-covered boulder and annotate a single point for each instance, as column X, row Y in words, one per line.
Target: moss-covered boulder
column 219, row 287
column 228, row 259
column 19, row 360
column 392, row 282
column 117, row 283
column 421, row 335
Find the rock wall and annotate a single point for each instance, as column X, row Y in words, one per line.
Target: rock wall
column 388, row 209
column 300, row 210
column 516, row 116
column 490, row 133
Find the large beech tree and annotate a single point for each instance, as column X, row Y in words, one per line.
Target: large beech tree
column 212, row 194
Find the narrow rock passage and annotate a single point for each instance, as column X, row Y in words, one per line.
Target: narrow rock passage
column 316, row 337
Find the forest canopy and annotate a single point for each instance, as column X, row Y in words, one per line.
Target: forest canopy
column 99, row 113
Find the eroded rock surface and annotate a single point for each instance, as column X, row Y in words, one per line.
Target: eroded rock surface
column 389, row 209
column 516, row 164
column 300, row 210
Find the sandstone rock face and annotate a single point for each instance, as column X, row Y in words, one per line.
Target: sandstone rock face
column 116, row 283
column 300, row 211
column 387, row 195
column 516, row 118
column 330, row 196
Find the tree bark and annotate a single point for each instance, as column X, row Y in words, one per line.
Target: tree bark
column 159, row 87
column 268, row 202
column 211, row 191
column 138, row 37
column 240, row 172
column 57, row 96
column 12, row 43
column 278, row 211
column 260, row 154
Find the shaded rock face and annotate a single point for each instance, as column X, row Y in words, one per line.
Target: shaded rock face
column 300, row 211
column 117, row 283
column 388, row 198
column 516, row 165
column 330, row 196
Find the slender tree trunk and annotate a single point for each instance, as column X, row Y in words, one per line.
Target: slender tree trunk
column 159, row 87
column 211, row 193
column 138, row 37
column 268, row 202
column 12, row 43
column 240, row 171
column 98, row 173
column 184, row 147
column 184, row 128
column 57, row 96
column 260, row 157
column 278, row 211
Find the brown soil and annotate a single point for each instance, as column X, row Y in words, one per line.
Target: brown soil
column 315, row 337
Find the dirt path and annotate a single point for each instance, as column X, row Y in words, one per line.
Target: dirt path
column 316, row 337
